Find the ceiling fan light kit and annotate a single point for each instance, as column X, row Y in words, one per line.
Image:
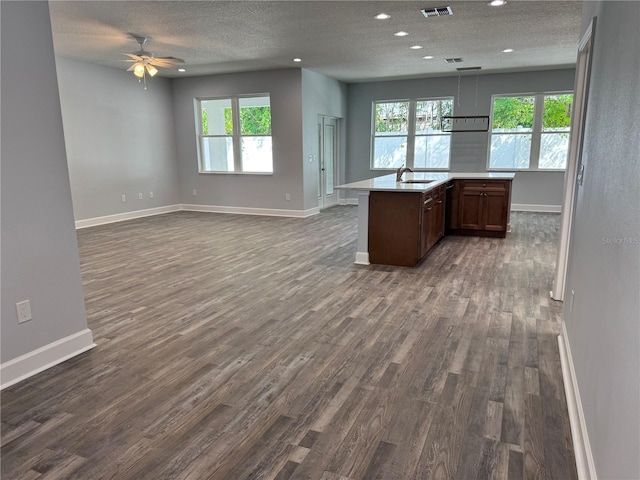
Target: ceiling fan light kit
column 145, row 62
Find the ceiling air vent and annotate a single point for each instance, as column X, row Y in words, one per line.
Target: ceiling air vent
column 453, row 60
column 437, row 12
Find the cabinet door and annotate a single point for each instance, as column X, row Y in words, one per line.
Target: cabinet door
column 438, row 215
column 426, row 225
column 496, row 211
column 471, row 209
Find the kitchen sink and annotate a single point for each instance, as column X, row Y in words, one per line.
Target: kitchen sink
column 418, row 181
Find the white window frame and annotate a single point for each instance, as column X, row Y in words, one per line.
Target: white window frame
column 236, row 136
column 536, row 132
column 410, row 136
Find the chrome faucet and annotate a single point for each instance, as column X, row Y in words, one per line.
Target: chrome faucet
column 401, row 171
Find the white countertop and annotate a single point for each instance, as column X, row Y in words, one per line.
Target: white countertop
column 388, row 182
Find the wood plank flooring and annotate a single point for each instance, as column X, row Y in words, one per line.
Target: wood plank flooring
column 241, row 347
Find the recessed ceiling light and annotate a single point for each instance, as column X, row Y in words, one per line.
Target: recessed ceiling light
column 297, row 59
column 182, row 70
column 497, row 3
column 415, row 47
column 382, row 16
column 428, row 57
column 507, row 50
column 401, row 34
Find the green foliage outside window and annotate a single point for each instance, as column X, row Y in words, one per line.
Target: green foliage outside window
column 429, row 114
column 253, row 120
column 557, row 111
column 392, row 117
column 205, row 122
column 511, row 113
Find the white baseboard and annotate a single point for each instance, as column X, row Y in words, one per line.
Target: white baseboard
column 38, row 360
column 348, row 201
column 581, row 446
column 272, row 212
column 362, row 258
column 120, row 217
column 529, row 207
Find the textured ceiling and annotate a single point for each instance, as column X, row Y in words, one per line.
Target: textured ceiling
column 340, row 39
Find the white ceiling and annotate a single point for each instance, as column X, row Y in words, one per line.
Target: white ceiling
column 340, row 39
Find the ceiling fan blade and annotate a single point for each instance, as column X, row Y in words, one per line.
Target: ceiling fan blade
column 163, row 64
column 171, row 59
column 130, row 69
column 135, row 58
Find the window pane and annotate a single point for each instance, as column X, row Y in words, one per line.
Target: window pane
column 255, row 116
column 512, row 114
column 216, row 117
column 429, row 114
column 554, row 149
column 256, row 154
column 391, row 117
column 432, row 151
column 557, row 112
column 510, row 151
column 389, row 152
column 217, row 154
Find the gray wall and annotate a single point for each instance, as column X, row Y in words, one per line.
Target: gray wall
column 120, row 139
column 241, row 190
column 604, row 259
column 321, row 95
column 468, row 150
column 39, row 249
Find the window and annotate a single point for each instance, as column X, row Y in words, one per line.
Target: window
column 409, row 132
column 432, row 145
column 530, row 132
column 235, row 134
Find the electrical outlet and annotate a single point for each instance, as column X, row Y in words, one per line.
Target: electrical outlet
column 195, row 192
column 287, row 196
column 123, row 198
column 140, row 196
column 150, row 194
column 24, row 311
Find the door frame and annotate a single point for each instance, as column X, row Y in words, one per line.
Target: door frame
column 322, row 197
column 574, row 173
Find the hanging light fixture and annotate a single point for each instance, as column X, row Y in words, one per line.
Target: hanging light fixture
column 141, row 69
column 144, row 63
column 138, row 70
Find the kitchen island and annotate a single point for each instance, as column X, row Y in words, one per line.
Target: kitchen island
column 400, row 221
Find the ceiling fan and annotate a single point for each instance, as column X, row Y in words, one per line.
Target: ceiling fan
column 145, row 63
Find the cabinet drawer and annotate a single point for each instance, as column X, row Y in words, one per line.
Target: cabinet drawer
column 484, row 185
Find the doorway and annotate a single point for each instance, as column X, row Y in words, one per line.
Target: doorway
column 328, row 148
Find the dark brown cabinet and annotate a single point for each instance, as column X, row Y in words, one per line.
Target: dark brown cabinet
column 404, row 226
column 395, row 220
column 483, row 208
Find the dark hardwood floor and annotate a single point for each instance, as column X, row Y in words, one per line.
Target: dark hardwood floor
column 236, row 347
